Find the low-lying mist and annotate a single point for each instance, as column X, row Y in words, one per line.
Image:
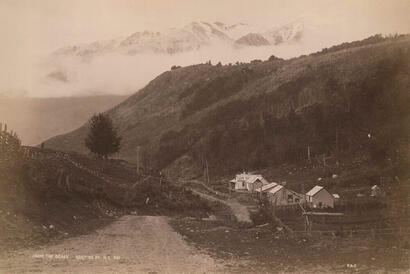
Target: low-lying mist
column 116, row 73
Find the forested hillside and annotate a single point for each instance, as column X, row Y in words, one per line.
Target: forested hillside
column 349, row 99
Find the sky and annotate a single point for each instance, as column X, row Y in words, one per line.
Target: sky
column 30, row 30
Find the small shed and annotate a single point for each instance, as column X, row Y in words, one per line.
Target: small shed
column 336, row 198
column 275, row 195
column 319, row 197
column 375, row 191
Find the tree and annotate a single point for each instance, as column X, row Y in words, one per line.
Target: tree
column 102, row 138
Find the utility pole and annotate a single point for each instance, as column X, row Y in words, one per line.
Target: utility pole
column 337, row 140
column 138, row 159
column 207, row 171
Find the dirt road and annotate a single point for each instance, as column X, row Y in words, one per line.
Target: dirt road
column 240, row 211
column 132, row 244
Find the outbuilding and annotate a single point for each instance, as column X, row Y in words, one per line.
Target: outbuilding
column 282, row 196
column 319, row 197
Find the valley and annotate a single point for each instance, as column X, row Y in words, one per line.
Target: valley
column 164, row 203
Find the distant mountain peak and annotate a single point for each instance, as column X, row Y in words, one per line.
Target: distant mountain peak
column 193, row 36
column 252, row 39
column 290, row 32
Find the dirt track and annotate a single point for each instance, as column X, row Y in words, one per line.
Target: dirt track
column 143, row 244
column 240, row 211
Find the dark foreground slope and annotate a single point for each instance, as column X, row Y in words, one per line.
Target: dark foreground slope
column 349, row 99
column 46, row 194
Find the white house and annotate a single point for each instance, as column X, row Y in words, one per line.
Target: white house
column 319, row 197
column 246, row 181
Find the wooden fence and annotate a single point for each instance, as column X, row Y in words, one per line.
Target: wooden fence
column 400, row 232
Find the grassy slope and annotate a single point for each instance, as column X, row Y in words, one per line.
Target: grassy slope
column 36, row 194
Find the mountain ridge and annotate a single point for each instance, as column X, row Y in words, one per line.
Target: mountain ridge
column 193, row 36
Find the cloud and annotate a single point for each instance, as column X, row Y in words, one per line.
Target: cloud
column 117, row 73
column 32, row 29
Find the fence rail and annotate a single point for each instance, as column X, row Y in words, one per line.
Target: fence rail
column 373, row 233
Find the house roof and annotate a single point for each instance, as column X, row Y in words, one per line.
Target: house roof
column 275, row 189
column 267, row 187
column 250, row 178
column 314, row 190
column 336, row 196
column 253, row 179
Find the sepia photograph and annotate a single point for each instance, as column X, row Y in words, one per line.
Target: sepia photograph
column 204, row 136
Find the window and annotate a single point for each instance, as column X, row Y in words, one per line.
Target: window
column 290, row 198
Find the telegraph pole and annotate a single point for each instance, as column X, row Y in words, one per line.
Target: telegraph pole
column 138, row 159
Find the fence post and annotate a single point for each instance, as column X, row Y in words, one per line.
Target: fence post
column 67, row 183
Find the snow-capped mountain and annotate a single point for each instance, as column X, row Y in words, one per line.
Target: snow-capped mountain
column 135, row 59
column 194, row 36
column 287, row 33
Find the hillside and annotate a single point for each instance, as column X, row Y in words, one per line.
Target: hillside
column 37, row 119
column 349, row 99
column 46, row 195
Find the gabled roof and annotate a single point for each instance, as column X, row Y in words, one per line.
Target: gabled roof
column 250, row 178
column 314, row 190
column 263, row 180
column 253, row 179
column 275, row 189
column 336, row 196
column 266, row 187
